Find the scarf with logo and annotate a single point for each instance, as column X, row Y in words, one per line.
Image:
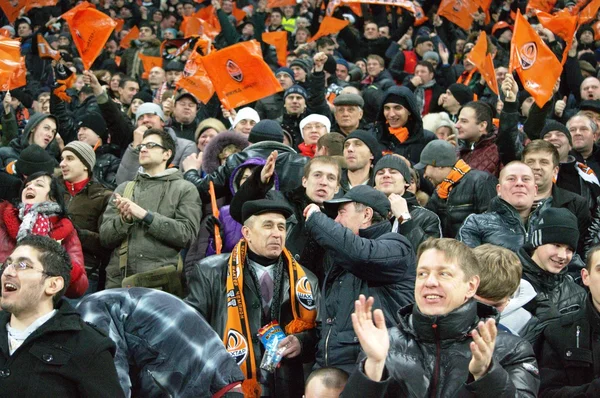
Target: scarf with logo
column 237, row 336
column 458, row 171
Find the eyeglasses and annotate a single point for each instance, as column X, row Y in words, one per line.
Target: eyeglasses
column 149, row 145
column 20, row 266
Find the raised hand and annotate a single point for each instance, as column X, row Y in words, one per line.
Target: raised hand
column 482, row 347
column 374, row 338
column 269, row 168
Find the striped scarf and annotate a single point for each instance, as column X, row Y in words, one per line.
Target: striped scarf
column 459, row 170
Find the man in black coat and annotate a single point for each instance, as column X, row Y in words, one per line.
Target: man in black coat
column 569, row 357
column 45, row 347
column 362, row 256
column 443, row 345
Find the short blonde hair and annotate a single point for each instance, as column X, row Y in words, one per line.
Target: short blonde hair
column 453, row 251
column 500, row 272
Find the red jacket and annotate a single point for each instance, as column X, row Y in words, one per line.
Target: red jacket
column 483, row 155
column 61, row 230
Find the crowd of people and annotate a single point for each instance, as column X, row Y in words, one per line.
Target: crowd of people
column 405, row 227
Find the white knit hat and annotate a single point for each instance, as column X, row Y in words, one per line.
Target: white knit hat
column 245, row 113
column 315, row 117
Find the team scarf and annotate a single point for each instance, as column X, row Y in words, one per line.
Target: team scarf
column 237, row 336
column 459, row 170
column 401, row 133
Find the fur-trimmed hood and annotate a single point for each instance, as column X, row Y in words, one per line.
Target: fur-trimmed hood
column 210, row 157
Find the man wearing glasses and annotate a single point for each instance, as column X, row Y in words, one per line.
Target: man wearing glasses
column 157, row 219
column 45, row 347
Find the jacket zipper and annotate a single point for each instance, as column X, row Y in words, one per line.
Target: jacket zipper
column 327, row 342
column 436, row 371
column 577, row 335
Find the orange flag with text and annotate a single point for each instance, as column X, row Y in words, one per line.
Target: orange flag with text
column 562, row 24
column 45, row 50
column 480, row 57
column 195, row 79
column 240, row 74
column 280, row 41
column 329, row 26
column 537, row 66
column 90, row 29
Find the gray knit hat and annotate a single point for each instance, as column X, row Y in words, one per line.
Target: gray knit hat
column 84, row 152
column 393, row 162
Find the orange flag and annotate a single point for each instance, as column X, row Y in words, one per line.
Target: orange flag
column 195, row 78
column 240, row 74
column 81, row 6
column 45, row 50
column 562, row 24
column 480, row 57
column 209, row 15
column 120, row 22
column 126, row 41
column 541, row 5
column 420, row 17
column 90, row 30
column 280, row 41
column 149, row 62
column 238, row 13
column 12, row 78
column 12, row 12
column 280, row 3
column 39, row 4
column 194, row 26
column 460, row 12
column 589, row 12
column 329, row 26
column 537, row 66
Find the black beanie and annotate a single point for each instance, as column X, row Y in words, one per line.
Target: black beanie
column 393, row 162
column 370, row 140
column 144, row 95
column 34, row 159
column 330, row 65
column 95, row 122
column 553, row 125
column 23, row 96
column 266, row 130
column 556, row 225
column 462, row 93
column 397, row 99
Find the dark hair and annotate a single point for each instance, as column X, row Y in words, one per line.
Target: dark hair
column 483, row 113
column 334, row 142
column 426, row 64
column 146, row 24
column 126, row 79
column 333, row 378
column 325, row 41
column 541, row 146
column 589, row 255
column 278, row 11
column 54, row 259
column 167, row 141
column 376, row 218
column 56, row 193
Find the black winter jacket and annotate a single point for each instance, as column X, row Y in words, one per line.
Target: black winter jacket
column 289, row 167
column 65, row 357
column 208, row 295
column 417, row 137
column 270, row 107
column 501, row 225
column 429, row 357
column 424, row 224
column 376, row 263
column 557, row 294
column 471, row 195
column 569, row 365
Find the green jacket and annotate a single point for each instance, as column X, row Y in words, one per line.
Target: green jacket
column 176, row 209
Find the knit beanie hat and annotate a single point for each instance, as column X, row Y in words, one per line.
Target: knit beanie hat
column 34, row 159
column 370, row 140
column 394, row 98
column 266, row 130
column 462, row 93
column 553, row 125
column 287, row 71
column 95, row 122
column 296, row 89
column 393, row 162
column 84, row 152
column 315, row 117
column 422, row 39
column 431, row 55
column 330, row 65
column 306, row 65
column 556, row 225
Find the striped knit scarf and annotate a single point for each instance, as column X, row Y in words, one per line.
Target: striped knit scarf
column 458, row 171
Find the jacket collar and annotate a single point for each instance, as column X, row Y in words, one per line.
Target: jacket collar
column 593, row 316
column 540, row 279
column 270, row 145
column 375, row 230
column 455, row 326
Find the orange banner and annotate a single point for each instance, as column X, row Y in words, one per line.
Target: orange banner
column 537, row 66
column 461, row 12
column 480, row 57
column 329, row 26
column 195, row 78
column 589, row 13
column 45, row 50
column 15, row 78
column 90, row 29
column 240, row 74
column 280, row 41
column 132, row 35
column 562, row 24
column 149, row 62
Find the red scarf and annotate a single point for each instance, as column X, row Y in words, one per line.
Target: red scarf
column 75, row 188
column 307, row 150
column 59, row 228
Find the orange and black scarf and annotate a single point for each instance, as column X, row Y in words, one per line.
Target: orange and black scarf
column 458, row 171
column 238, row 336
